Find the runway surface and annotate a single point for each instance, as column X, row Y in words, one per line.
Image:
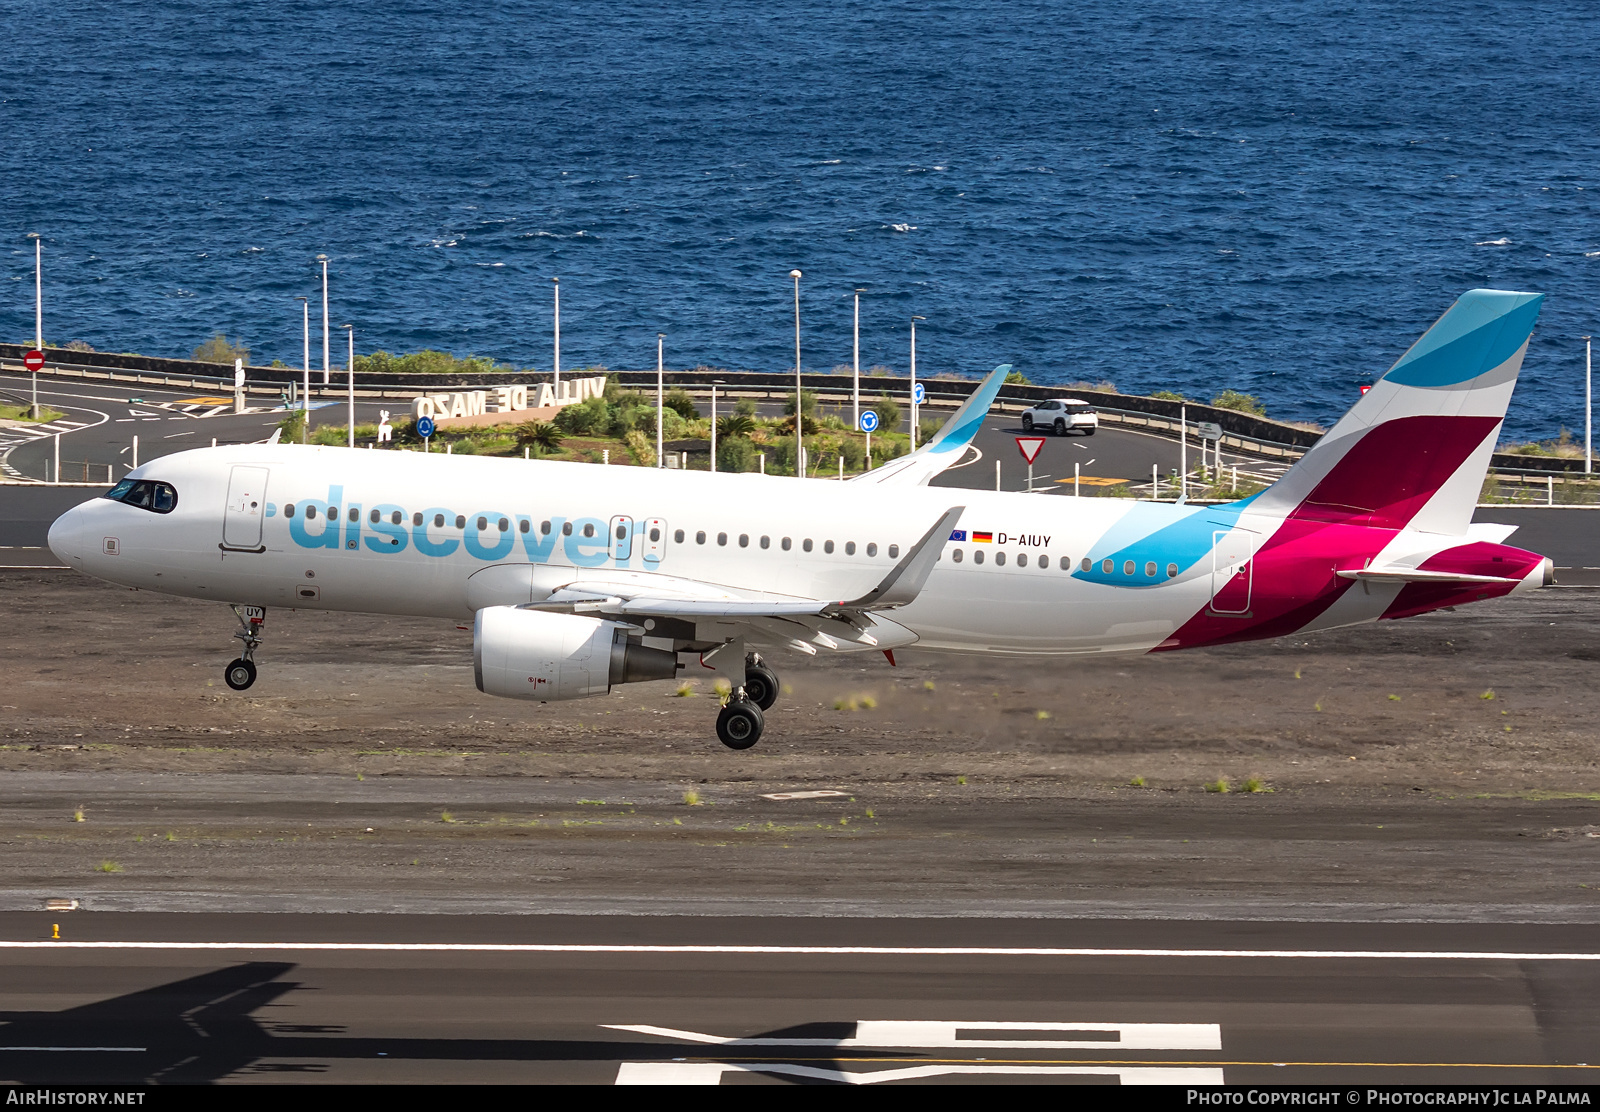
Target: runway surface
column 197, row 998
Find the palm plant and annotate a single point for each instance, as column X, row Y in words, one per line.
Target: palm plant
column 542, row 436
column 736, row 424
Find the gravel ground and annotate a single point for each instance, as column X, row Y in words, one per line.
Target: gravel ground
column 1441, row 767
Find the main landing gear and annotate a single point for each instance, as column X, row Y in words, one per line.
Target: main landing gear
column 740, row 723
column 241, row 673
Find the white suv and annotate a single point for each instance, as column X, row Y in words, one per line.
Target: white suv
column 1062, row 416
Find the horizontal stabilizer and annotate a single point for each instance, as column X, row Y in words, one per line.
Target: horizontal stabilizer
column 1416, row 575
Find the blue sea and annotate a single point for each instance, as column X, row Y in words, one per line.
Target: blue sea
column 1272, row 196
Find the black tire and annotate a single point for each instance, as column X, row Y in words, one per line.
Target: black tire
column 761, row 685
column 739, row 724
column 240, row 674
column 1088, row 432
column 1061, row 427
column 1027, row 422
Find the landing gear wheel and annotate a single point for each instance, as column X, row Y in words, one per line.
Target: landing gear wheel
column 1061, row 427
column 761, row 685
column 240, row 674
column 1027, row 422
column 739, row 725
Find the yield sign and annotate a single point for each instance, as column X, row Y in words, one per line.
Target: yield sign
column 1030, row 446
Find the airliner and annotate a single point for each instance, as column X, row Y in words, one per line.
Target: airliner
column 578, row 578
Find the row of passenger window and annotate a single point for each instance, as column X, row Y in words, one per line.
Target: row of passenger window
column 1108, row 567
column 440, row 521
column 787, row 543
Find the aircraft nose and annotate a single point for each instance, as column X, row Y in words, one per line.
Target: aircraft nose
column 65, row 537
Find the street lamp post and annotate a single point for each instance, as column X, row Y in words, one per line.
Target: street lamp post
column 855, row 349
column 716, row 382
column 38, row 310
column 323, row 259
column 305, row 385
column 914, row 321
column 660, row 396
column 555, row 361
column 350, row 372
column 799, row 415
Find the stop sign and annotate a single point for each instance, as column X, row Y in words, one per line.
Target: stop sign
column 33, row 360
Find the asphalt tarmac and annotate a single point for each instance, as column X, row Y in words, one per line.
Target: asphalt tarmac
column 602, row 1000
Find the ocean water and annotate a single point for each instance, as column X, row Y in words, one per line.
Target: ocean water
column 1272, row 196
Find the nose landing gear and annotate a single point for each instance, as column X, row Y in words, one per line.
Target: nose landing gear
column 241, row 673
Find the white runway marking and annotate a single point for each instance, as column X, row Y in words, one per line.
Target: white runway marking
column 802, row 951
column 710, row 1073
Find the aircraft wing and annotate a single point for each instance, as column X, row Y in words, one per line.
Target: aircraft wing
column 948, row 445
column 806, row 624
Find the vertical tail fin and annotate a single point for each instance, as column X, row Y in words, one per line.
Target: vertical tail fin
column 1414, row 450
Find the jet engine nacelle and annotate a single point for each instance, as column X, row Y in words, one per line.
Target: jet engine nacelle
column 530, row 654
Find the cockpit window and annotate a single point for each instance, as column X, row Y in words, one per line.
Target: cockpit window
column 156, row 497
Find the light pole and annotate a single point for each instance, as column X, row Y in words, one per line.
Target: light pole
column 855, row 349
column 38, row 310
column 914, row 321
column 660, row 396
column 1588, row 406
column 555, row 361
column 305, row 386
column 323, row 259
column 799, row 416
column 716, row 382
column 350, row 372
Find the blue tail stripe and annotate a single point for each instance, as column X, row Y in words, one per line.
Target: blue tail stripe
column 1481, row 331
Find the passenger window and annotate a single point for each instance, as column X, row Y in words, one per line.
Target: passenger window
column 1150, row 569
column 678, row 536
column 700, row 537
column 311, row 513
column 461, row 521
column 786, row 543
column 722, row 538
column 355, row 514
column 1044, row 561
column 373, row 517
column 1085, row 565
column 977, row 555
column 806, row 544
column 744, row 540
column 1127, row 567
column 588, row 530
column 827, row 546
column 1022, row 559
column 483, row 523
column 1108, row 565
column 894, row 552
column 504, row 525
column 956, row 555
column 566, row 528
column 1172, row 571
column 766, row 542
column 655, row 535
column 288, row 511
column 872, row 548
column 849, row 548
column 544, row 527
column 438, row 521
column 1000, row 559
column 523, row 525
column 622, row 532
column 395, row 518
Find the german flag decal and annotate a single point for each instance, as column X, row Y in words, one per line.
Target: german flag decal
column 982, row 538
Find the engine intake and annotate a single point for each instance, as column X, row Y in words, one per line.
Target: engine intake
column 530, row 654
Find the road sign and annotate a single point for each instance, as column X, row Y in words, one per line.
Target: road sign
column 1030, row 447
column 869, row 420
column 424, row 427
column 918, row 394
column 1208, row 430
column 1364, row 389
column 33, row 360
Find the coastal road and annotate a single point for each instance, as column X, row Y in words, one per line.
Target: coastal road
column 199, row 998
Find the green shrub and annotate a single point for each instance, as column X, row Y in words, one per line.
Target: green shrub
column 219, row 350
column 1169, row 396
column 808, row 403
column 854, row 452
column 888, row 411
column 541, row 436
column 679, row 401
column 1243, row 403
column 590, row 417
column 1017, row 378
column 736, row 454
column 739, row 424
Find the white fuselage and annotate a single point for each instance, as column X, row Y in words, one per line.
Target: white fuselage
column 441, row 520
